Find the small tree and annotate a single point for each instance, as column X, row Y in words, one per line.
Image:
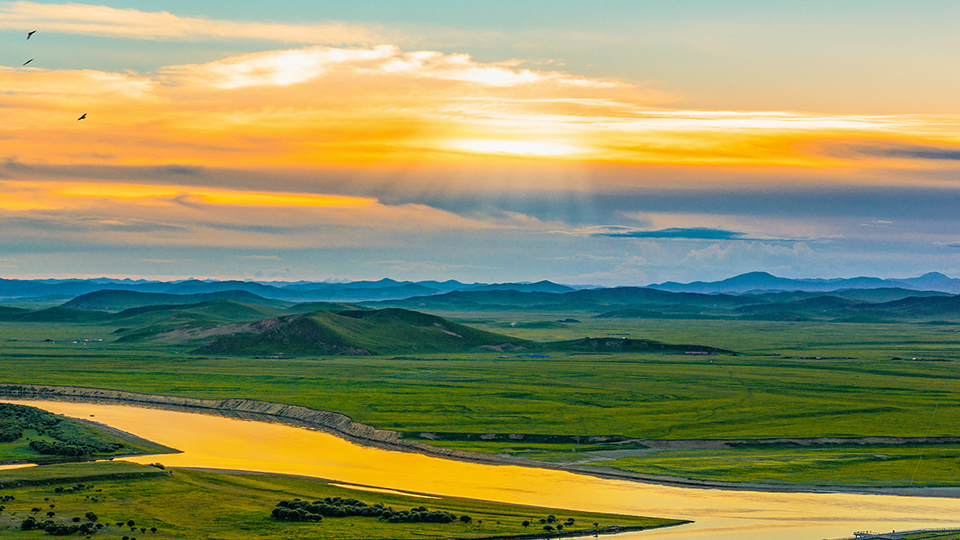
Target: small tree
column 525, row 523
column 465, row 518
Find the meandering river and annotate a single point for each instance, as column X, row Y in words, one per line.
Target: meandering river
column 224, row 443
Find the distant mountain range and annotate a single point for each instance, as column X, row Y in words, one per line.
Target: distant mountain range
column 758, row 282
column 391, row 290
column 357, row 291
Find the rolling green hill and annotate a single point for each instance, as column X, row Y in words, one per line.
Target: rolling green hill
column 211, row 311
column 310, row 307
column 57, row 315
column 623, row 345
column 386, row 331
column 119, row 300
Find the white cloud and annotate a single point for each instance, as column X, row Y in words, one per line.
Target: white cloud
column 286, row 67
column 749, row 253
column 630, row 271
column 131, row 23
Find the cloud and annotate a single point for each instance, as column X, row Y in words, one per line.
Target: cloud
column 905, row 151
column 161, row 25
column 757, row 253
column 630, row 271
column 78, row 213
column 330, row 105
column 424, row 268
column 695, row 233
column 287, row 67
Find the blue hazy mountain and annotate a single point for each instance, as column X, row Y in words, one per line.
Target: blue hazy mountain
column 755, row 282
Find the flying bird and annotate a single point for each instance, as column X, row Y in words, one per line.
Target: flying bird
column 82, row 117
column 28, row 61
column 30, row 33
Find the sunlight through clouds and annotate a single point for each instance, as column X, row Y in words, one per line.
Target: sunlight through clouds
column 358, row 135
column 361, row 106
column 516, row 148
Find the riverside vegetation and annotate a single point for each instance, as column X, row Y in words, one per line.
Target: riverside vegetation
column 31, row 434
column 119, row 500
column 558, row 382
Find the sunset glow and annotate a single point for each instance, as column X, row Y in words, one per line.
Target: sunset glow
column 359, row 112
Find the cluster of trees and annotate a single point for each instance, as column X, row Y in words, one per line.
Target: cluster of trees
column 76, row 525
column 9, row 431
column 548, row 523
column 60, row 529
column 297, row 510
column 69, row 438
column 73, row 489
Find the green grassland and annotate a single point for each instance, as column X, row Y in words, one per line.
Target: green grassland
column 871, row 465
column 59, row 474
column 34, row 435
column 808, row 378
column 197, row 505
column 932, row 535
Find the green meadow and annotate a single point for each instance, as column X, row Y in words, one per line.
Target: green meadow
column 195, row 504
column 783, row 379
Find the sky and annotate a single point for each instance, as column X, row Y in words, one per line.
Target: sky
column 602, row 143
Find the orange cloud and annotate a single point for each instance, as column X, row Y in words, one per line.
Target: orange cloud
column 162, row 215
column 321, row 106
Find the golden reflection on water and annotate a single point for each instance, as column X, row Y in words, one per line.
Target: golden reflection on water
column 16, row 466
column 224, row 443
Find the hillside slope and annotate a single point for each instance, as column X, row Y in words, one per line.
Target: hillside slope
column 385, row 331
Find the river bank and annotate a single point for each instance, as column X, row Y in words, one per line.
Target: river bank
column 343, row 426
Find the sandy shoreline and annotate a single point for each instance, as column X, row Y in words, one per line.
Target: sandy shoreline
column 342, row 426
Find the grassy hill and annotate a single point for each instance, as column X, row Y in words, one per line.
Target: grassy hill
column 386, row 331
column 53, row 315
column 625, row 345
column 119, row 300
column 894, row 304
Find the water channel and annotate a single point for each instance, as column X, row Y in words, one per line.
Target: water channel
column 225, row 443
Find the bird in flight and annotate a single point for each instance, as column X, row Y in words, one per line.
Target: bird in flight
column 82, row 117
column 28, row 61
column 30, row 33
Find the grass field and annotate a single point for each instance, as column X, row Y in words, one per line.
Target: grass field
column 848, row 466
column 804, row 379
column 37, row 436
column 195, row 504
